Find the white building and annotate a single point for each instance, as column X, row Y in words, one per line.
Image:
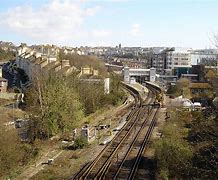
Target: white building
column 199, row 56
column 179, row 57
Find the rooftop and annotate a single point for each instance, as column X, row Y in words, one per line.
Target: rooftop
column 200, row 86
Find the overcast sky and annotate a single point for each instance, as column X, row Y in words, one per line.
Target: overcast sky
column 183, row 23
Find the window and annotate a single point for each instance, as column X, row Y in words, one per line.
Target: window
column 184, row 63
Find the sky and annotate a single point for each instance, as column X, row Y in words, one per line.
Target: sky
column 145, row 23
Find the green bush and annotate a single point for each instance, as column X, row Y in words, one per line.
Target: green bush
column 80, row 143
column 173, row 158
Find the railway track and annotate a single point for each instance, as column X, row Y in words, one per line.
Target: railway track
column 121, row 157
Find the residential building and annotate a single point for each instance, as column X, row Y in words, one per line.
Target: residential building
column 204, row 56
column 159, row 59
column 68, row 50
column 7, row 46
column 178, row 57
column 88, row 70
column 35, row 57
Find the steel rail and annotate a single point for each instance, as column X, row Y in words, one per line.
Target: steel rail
column 102, row 174
column 117, row 142
column 143, row 147
column 83, row 173
column 87, row 168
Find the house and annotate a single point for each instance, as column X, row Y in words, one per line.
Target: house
column 201, row 90
column 95, row 72
column 80, row 52
column 86, row 70
column 69, row 50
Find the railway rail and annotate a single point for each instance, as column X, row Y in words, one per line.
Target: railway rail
column 120, row 159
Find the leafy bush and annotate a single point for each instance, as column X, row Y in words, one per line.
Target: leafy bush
column 80, row 143
column 172, row 152
column 173, row 157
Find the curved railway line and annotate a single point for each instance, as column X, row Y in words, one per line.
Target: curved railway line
column 121, row 158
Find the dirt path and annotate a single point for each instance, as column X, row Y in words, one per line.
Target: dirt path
column 40, row 164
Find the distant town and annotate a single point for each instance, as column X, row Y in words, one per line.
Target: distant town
column 170, row 63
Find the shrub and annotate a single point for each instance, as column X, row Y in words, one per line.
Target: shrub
column 80, row 143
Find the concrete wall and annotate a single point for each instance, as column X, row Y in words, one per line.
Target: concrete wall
column 107, row 85
column 152, row 75
column 126, row 75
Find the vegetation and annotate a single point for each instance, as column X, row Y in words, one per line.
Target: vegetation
column 80, row 61
column 13, row 152
column 189, row 146
column 80, row 143
column 173, row 153
column 6, row 55
column 58, row 103
column 91, row 96
column 55, row 107
column 204, row 95
column 181, row 88
column 203, row 137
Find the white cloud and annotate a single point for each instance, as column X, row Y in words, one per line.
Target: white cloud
column 59, row 21
column 135, row 29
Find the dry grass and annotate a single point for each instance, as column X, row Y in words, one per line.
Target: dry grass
column 68, row 163
column 4, row 102
column 7, row 114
